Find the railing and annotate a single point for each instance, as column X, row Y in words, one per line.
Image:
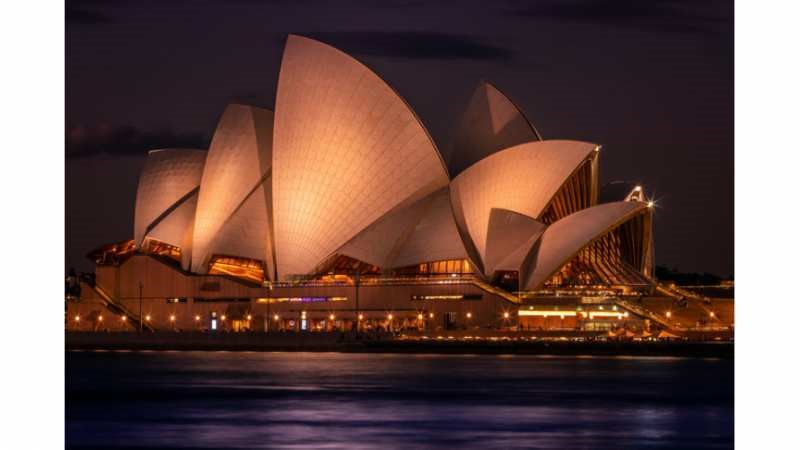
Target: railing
column 496, row 291
column 676, row 292
column 377, row 281
column 119, row 308
column 644, row 312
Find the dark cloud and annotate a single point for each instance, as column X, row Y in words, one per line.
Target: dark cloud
column 125, row 140
column 676, row 16
column 76, row 15
column 414, row 45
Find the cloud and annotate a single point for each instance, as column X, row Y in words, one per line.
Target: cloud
column 125, row 140
column 678, row 16
column 414, row 45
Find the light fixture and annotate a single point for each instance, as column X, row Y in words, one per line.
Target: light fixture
column 172, row 318
column 249, row 317
column 223, row 317
column 389, row 316
column 360, row 317
column 197, row 318
column 419, row 316
column 669, row 314
column 99, row 318
column 650, row 204
column 147, row 317
column 123, row 318
column 276, row 317
column 431, row 315
column 331, row 317
column 505, row 315
column 77, row 318
column 469, row 315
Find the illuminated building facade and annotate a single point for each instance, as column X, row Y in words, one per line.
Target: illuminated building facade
column 338, row 208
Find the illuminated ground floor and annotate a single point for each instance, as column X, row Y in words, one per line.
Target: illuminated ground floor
column 146, row 292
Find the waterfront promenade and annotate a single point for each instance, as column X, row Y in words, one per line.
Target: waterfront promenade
column 575, row 344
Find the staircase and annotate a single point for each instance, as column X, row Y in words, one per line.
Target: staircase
column 496, row 291
column 679, row 293
column 644, row 312
column 117, row 308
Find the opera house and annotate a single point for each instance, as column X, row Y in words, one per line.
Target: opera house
column 337, row 210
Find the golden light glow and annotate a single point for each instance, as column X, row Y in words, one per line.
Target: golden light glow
column 437, row 297
column 249, row 317
column 593, row 314
column 197, row 318
column 469, row 315
column 172, row 318
column 505, row 315
column 669, row 314
column 419, row 316
column 637, row 188
column 223, row 317
column 650, row 204
column 99, row 318
column 540, row 313
column 390, row 316
column 147, row 317
column 360, row 317
column 276, row 317
column 431, row 315
column 124, row 318
column 331, row 317
column 77, row 318
column 711, row 314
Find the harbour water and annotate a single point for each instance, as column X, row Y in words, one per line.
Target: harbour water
column 148, row 399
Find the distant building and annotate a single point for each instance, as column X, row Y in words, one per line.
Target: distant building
column 338, row 205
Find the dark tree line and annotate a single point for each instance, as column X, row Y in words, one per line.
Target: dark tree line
column 688, row 279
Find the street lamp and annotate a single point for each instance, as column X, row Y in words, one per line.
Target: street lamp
column 141, row 285
column 269, row 301
column 358, row 309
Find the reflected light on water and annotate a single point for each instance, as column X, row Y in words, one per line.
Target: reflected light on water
column 310, row 400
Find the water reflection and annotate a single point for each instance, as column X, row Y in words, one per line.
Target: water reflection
column 329, row 400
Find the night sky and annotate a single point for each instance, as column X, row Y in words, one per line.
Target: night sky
column 652, row 81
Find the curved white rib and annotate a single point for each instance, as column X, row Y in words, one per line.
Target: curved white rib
column 168, row 176
column 523, row 179
column 565, row 238
column 509, row 233
column 490, row 123
column 239, row 158
column 348, row 150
